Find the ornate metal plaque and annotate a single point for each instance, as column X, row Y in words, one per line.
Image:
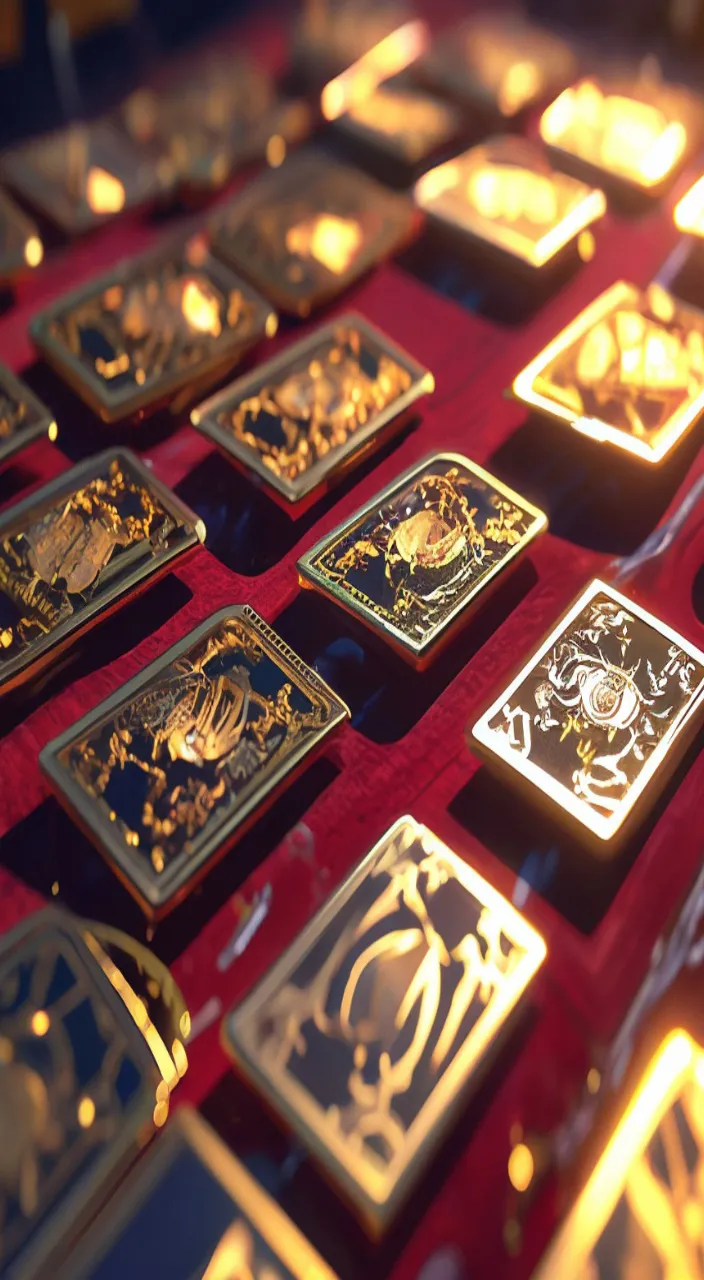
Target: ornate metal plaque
column 23, row 417
column 303, row 416
column 640, row 1213
column 499, row 63
column 165, row 323
column 71, row 551
column 505, row 194
column 306, row 232
column 638, row 132
column 222, row 1224
column 83, row 175
column 165, row 772
column 370, row 1029
column 411, row 562
column 628, row 371
column 599, row 715
column 20, row 245
column 81, row 1082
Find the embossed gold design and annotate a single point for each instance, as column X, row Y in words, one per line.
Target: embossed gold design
column 20, row 246
column 23, row 417
column 595, row 713
column 69, row 550
column 305, row 232
column 638, row 133
column 152, row 327
column 416, row 556
column 504, row 192
column 628, row 371
column 168, row 770
column 640, row 1213
column 300, row 416
column 367, row 1030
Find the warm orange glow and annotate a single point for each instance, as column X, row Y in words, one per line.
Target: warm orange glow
column 86, row 1112
column 387, row 58
column 201, row 309
column 33, row 251
column 234, row 1255
column 521, row 1167
column 520, row 85
column 104, row 192
column 689, row 212
column 626, row 136
column 40, row 1022
column 331, row 240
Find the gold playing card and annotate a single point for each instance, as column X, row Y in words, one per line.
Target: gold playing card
column 411, row 562
column 503, row 64
column 370, row 1030
column 23, row 417
column 636, row 132
column 168, row 770
column 20, row 245
column 222, row 1224
column 307, row 231
column 629, row 371
column 599, row 715
column 311, row 412
column 504, row 194
column 71, row 551
column 640, row 1212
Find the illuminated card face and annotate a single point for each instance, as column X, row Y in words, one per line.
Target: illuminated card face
column 505, row 64
column 301, row 417
column 154, row 326
column 596, row 716
column 689, row 211
column 640, row 1213
column 629, row 371
column 406, row 123
column 411, row 562
column 166, row 771
column 69, row 552
column 504, row 193
column 222, row 1224
column 20, row 245
column 82, row 176
column 304, row 233
column 638, row 133
column 23, row 417
column 368, row 1032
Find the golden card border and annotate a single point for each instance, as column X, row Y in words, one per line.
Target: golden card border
column 523, row 384
column 203, row 417
column 15, row 517
column 418, row 652
column 257, row 1207
column 376, row 1196
column 494, row 749
column 485, row 232
column 45, row 424
column 130, row 401
column 677, row 1060
column 156, row 898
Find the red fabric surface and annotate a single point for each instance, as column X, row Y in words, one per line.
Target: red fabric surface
column 588, row 980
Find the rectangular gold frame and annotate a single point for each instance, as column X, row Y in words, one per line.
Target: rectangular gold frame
column 318, row 477
column 43, row 424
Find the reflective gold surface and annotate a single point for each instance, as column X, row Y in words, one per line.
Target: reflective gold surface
column 368, row 1031
column 500, row 61
column 637, row 132
column 414, row 558
column 505, row 193
column 297, row 419
column 640, row 1213
column 20, row 245
column 23, row 417
column 392, row 55
column 406, row 122
column 150, row 328
column 600, row 712
column 207, row 732
column 689, row 211
column 629, row 371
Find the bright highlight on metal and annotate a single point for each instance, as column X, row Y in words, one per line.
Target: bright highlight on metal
column 387, row 58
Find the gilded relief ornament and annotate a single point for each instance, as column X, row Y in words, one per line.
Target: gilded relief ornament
column 594, row 716
column 165, row 323
column 297, row 419
column 168, row 769
column 368, row 1031
column 411, row 561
